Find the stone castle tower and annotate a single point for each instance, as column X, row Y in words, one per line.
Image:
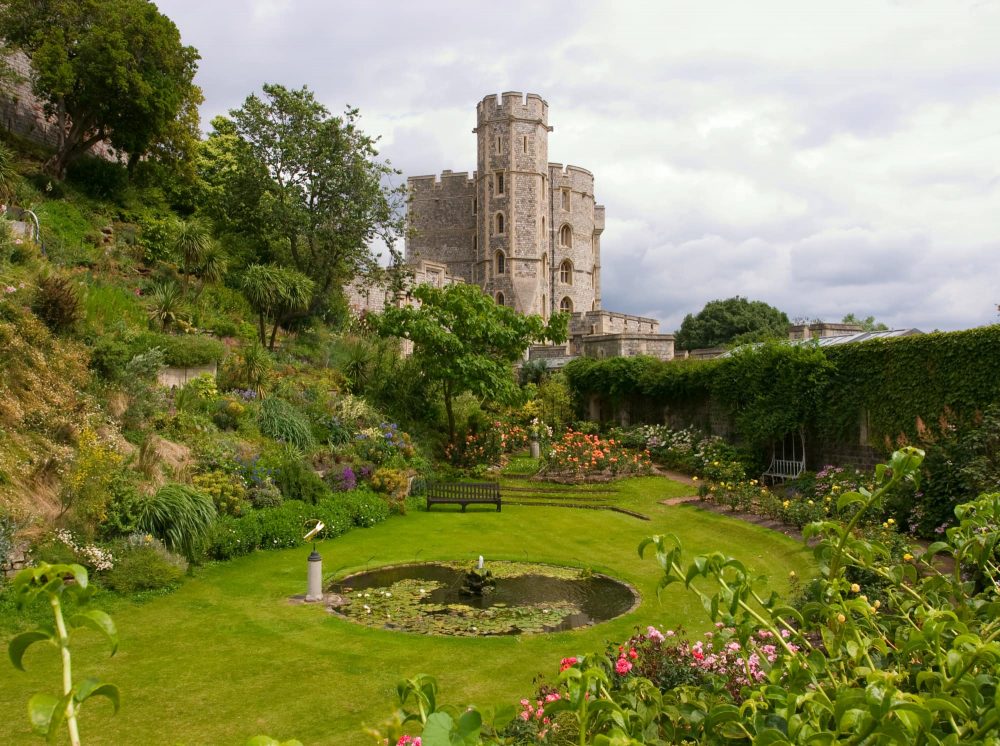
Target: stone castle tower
column 525, row 230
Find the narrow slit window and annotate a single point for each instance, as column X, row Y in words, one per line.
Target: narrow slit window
column 499, row 182
column 524, row 143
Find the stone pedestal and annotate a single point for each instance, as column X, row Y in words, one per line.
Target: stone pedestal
column 535, row 448
column 315, row 577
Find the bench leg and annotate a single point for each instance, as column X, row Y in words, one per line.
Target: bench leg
column 463, row 506
column 498, row 506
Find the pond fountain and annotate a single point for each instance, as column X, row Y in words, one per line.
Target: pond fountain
column 508, row 598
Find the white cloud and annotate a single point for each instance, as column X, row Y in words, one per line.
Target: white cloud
column 824, row 159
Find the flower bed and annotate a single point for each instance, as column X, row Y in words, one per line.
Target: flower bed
column 581, row 457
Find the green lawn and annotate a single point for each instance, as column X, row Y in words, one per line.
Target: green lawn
column 226, row 656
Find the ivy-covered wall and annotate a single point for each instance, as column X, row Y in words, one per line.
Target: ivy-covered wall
column 880, row 393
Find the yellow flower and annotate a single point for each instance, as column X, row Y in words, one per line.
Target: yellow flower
column 841, row 618
column 907, row 557
column 810, row 502
column 885, row 525
column 876, row 604
column 791, row 574
column 891, row 521
column 694, row 479
column 855, row 588
column 785, row 504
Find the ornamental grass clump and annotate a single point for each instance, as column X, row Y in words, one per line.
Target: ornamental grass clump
column 179, row 515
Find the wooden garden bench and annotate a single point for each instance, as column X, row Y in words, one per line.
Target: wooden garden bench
column 463, row 493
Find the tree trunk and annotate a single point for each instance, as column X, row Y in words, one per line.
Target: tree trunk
column 274, row 333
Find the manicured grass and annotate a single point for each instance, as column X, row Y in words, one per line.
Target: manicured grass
column 227, row 657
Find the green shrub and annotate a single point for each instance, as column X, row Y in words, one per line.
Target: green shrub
column 57, row 302
column 233, row 537
column 298, row 482
column 181, row 516
column 145, row 566
column 98, row 178
column 280, row 420
column 367, row 508
column 394, row 484
column 190, row 350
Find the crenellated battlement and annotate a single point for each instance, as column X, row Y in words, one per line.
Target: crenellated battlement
column 513, row 104
column 447, row 183
column 576, row 178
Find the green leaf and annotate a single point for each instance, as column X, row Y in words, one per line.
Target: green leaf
column 100, row 621
column 94, row 688
column 40, row 710
column 437, row 730
column 17, row 646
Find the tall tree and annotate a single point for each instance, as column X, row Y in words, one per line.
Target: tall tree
column 326, row 195
column 107, row 70
column 868, row 324
column 463, row 341
column 732, row 320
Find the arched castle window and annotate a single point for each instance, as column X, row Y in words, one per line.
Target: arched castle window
column 475, row 244
column 498, row 223
column 499, row 182
column 565, row 199
column 500, row 263
column 566, row 272
column 500, row 299
column 543, row 227
column 566, row 305
column 545, row 268
column 566, row 236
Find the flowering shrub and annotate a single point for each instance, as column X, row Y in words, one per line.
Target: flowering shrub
column 96, row 466
column 394, row 484
column 577, row 454
column 384, row 444
column 476, row 449
column 90, row 555
column 512, row 437
column 228, row 491
column 687, row 450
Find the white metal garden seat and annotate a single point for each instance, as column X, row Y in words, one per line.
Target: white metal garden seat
column 788, row 461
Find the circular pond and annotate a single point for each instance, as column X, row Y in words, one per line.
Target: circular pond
column 506, row 598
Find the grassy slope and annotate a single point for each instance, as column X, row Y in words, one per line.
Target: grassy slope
column 227, row 657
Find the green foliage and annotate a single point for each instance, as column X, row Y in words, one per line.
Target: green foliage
column 276, row 294
column 181, row 516
column 280, row 420
column 109, row 308
column 732, row 320
column 166, row 305
column 314, row 182
column 182, row 350
column 57, row 302
column 113, row 71
column 464, row 341
column 868, row 324
column 54, row 583
column 145, row 565
column 772, row 389
column 98, row 178
column 285, row 525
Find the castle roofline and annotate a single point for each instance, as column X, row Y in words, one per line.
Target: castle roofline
column 567, row 168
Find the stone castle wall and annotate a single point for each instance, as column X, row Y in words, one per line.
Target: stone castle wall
column 515, row 181
column 23, row 113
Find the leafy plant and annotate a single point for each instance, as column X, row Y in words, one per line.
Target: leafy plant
column 57, row 302
column 145, row 565
column 53, row 583
column 181, row 516
column 166, row 305
column 280, row 420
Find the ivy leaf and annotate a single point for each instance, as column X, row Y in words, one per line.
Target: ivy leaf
column 17, row 646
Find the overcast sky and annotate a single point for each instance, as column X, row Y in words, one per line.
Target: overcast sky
column 827, row 158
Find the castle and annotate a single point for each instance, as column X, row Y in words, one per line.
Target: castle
column 528, row 232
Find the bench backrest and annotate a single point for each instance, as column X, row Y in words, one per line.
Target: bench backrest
column 463, row 490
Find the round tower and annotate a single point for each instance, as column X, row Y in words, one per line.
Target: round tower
column 513, row 258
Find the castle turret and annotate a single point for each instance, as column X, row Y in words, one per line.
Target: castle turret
column 512, row 189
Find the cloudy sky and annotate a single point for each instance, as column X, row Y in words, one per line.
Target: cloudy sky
column 825, row 157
